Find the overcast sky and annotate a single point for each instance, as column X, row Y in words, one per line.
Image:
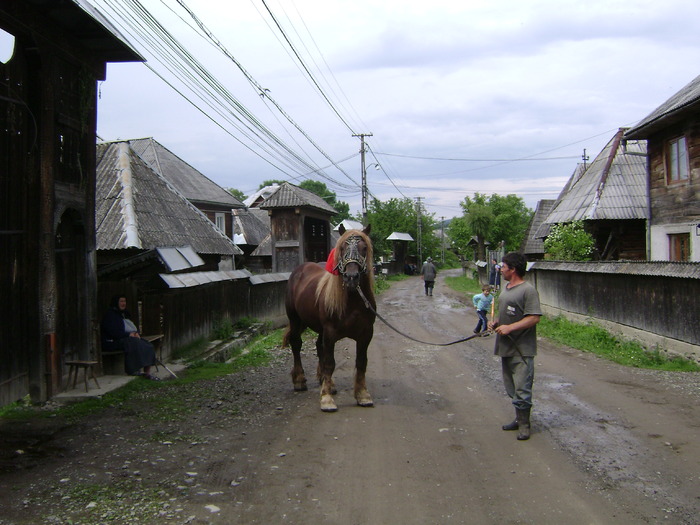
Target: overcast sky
column 482, row 84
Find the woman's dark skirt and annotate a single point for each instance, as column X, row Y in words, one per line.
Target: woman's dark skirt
column 137, row 354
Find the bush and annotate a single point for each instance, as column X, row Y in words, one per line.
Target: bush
column 569, row 242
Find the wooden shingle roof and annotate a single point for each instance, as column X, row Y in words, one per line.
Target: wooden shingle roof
column 189, row 181
column 251, row 226
column 612, row 187
column 290, row 196
column 534, row 244
column 688, row 98
column 137, row 208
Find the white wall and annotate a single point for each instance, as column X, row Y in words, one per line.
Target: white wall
column 660, row 244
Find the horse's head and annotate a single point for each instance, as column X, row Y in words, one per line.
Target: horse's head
column 353, row 251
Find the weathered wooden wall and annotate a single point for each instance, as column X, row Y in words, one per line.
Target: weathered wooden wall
column 677, row 201
column 663, row 305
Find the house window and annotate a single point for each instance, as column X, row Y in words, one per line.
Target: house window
column 220, row 221
column 679, row 247
column 677, row 160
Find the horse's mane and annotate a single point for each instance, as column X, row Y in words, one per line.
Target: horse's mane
column 330, row 286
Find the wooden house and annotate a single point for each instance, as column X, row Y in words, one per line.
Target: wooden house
column 47, row 188
column 610, row 197
column 140, row 215
column 672, row 132
column 299, row 227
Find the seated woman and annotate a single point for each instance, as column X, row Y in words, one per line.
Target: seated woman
column 120, row 333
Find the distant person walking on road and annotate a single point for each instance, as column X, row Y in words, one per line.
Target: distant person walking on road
column 428, row 273
column 495, row 274
column 482, row 303
column 516, row 340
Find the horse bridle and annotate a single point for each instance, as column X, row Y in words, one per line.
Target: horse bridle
column 352, row 255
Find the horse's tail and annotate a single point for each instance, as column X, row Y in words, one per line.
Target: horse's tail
column 285, row 337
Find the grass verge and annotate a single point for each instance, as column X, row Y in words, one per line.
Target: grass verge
column 591, row 337
column 383, row 282
column 465, row 285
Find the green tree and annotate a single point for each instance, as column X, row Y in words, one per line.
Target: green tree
column 491, row 220
column 460, row 234
column 320, row 189
column 237, row 193
column 569, row 242
column 400, row 215
column 511, row 219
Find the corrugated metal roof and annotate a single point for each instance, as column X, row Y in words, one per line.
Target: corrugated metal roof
column 188, row 280
column 613, row 186
column 180, row 258
column 690, row 270
column 532, row 243
column 263, row 278
column 398, row 236
column 290, row 196
column 688, row 96
column 189, row 181
column 136, row 207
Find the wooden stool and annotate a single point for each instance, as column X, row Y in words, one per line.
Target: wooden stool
column 85, row 365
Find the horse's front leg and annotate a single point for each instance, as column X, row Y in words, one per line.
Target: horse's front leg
column 326, row 367
column 319, row 353
column 361, row 394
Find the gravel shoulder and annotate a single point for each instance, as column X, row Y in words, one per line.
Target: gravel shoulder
column 610, row 444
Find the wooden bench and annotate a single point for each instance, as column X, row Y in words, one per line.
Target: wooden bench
column 118, row 366
column 74, row 366
column 157, row 342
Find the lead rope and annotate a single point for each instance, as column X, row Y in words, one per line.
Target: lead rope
column 369, row 307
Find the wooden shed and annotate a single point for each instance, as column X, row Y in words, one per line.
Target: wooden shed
column 300, row 227
column 47, row 188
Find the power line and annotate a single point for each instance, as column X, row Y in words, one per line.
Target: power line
column 475, row 160
column 303, row 64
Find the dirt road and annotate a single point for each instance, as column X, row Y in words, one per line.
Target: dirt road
column 610, row 444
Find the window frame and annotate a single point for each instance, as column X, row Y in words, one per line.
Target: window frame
column 220, row 218
column 679, row 247
column 678, row 159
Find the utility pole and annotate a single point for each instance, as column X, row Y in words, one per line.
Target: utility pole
column 364, row 175
column 585, row 158
column 420, row 233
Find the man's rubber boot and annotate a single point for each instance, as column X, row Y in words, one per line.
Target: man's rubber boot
column 523, row 420
column 513, row 425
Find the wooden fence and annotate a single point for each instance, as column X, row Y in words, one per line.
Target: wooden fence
column 656, row 303
column 188, row 313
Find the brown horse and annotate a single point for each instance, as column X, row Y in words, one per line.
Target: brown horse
column 332, row 307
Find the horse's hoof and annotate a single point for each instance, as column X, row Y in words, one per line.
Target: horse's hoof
column 364, row 399
column 300, row 387
column 327, row 403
